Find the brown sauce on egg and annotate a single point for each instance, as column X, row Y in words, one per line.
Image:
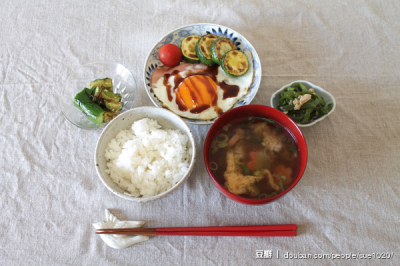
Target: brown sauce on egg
column 196, row 93
column 200, row 109
column 168, row 86
column 229, row 90
column 199, row 93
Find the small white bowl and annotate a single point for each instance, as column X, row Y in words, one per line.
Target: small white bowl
column 166, row 119
column 320, row 91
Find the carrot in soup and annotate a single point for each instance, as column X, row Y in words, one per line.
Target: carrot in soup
column 258, row 160
column 282, row 170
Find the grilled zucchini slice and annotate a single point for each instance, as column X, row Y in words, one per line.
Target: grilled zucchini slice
column 235, row 63
column 108, row 95
column 220, row 47
column 203, row 48
column 188, row 48
column 99, row 102
column 114, row 106
column 108, row 115
column 106, row 83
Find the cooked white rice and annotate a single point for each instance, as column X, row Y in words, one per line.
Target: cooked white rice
column 147, row 160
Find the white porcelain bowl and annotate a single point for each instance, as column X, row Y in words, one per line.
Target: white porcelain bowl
column 166, row 119
column 176, row 36
column 320, row 91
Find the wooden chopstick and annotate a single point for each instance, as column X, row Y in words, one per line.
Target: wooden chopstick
column 257, row 230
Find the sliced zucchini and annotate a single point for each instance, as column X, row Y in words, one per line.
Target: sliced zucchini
column 108, row 95
column 92, row 110
column 203, row 48
column 108, row 115
column 235, row 63
column 188, row 48
column 97, row 94
column 114, row 106
column 90, row 91
column 106, row 83
column 220, row 47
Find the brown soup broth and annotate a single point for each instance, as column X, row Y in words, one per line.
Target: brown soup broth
column 252, row 143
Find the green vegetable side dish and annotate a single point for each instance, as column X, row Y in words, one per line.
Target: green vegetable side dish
column 303, row 105
column 99, row 102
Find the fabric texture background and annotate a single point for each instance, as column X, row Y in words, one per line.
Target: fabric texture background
column 347, row 201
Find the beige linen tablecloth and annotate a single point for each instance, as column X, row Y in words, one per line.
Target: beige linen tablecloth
column 347, row 202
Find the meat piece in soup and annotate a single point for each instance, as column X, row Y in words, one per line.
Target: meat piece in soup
column 254, row 158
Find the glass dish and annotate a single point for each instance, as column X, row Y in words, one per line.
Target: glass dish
column 123, row 82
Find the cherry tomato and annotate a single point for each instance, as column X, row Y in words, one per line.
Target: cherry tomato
column 170, row 54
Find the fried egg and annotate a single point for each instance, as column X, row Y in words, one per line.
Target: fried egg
column 198, row 91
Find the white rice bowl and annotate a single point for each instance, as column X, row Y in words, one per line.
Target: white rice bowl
column 146, row 159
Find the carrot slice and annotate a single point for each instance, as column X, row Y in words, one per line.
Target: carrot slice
column 252, row 163
column 282, row 170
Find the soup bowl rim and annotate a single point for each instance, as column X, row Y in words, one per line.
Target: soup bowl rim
column 243, row 112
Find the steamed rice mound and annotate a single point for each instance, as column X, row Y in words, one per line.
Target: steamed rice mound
column 147, row 160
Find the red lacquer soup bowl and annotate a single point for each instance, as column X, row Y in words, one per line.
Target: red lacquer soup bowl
column 277, row 119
